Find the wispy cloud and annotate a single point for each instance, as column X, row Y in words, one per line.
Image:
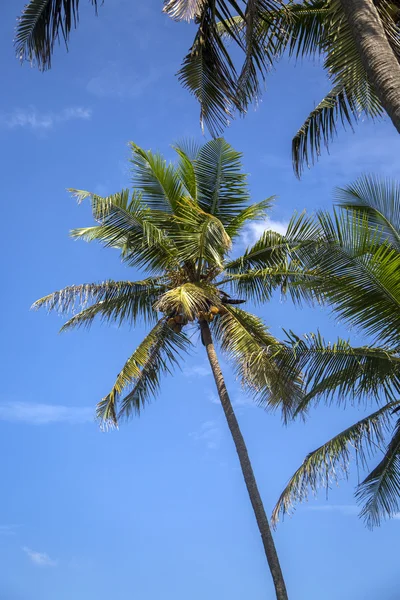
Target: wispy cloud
column 208, row 433
column 8, row 529
column 40, row 559
column 35, row 120
column 255, row 230
column 43, row 414
column 113, row 82
column 197, row 371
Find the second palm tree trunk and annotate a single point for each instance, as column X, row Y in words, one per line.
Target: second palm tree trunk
column 247, row 470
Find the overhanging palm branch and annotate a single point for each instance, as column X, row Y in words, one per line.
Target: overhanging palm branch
column 42, row 24
column 329, row 462
column 357, row 251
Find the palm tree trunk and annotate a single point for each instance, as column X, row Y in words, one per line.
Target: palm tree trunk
column 377, row 56
column 247, row 470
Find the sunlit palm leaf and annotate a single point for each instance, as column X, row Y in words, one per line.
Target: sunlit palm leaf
column 330, row 461
column 156, row 355
column 113, row 301
column 257, row 360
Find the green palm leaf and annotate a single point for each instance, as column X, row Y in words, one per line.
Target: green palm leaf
column 222, row 185
column 340, row 370
column 379, row 200
column 258, row 361
column 329, row 462
column 113, row 301
column 381, row 489
column 156, row 355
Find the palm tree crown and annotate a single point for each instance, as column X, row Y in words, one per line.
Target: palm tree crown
column 358, row 252
column 178, row 225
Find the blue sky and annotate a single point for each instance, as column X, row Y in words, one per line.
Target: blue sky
column 157, row 509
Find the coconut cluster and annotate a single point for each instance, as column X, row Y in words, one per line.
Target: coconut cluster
column 178, row 321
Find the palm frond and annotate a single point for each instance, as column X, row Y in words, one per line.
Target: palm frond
column 187, row 152
column 361, row 281
column 158, row 182
column 183, row 10
column 116, row 301
column 291, row 279
column 329, row 463
column 156, row 355
column 128, row 224
column 208, row 71
column 320, row 127
column 201, row 236
column 339, row 370
column 254, row 212
column 222, row 185
column 259, row 364
column 381, row 489
column 41, row 25
column 379, row 200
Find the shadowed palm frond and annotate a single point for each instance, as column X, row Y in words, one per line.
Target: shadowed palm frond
column 155, row 356
column 329, row 462
column 41, row 25
column 120, row 301
column 380, row 491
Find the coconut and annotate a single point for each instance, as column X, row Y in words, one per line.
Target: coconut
column 171, row 322
column 179, row 319
column 214, row 310
column 177, row 328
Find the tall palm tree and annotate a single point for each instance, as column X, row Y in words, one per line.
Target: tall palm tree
column 178, row 226
column 358, row 252
column 360, row 49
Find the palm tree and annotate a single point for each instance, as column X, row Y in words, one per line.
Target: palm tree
column 308, row 29
column 178, row 225
column 358, row 252
column 358, row 40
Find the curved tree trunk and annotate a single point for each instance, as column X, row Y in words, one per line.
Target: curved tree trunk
column 377, row 56
column 247, row 470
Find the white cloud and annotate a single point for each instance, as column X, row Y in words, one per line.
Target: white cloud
column 197, row 371
column 254, row 231
column 42, row 121
column 40, row 559
column 209, row 433
column 42, row 414
column 111, row 82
